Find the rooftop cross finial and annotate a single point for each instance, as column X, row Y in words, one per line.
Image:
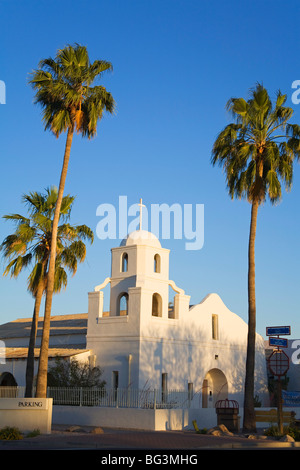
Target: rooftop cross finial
column 141, row 210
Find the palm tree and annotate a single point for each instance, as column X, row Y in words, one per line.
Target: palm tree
column 70, row 104
column 31, row 245
column 257, row 154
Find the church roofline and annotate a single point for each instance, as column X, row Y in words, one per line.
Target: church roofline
column 59, row 325
column 131, row 247
column 22, row 353
column 141, row 237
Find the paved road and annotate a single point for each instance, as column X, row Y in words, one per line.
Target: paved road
column 120, row 439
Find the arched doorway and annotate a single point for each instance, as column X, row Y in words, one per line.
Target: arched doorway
column 214, row 388
column 7, row 380
column 8, row 385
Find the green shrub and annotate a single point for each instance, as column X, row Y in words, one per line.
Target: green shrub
column 291, row 430
column 34, row 433
column 10, row 434
column 272, row 431
column 203, row 431
column 294, row 432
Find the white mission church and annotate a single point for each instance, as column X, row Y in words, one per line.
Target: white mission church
column 142, row 342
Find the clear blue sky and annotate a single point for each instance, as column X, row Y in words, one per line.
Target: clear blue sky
column 176, row 63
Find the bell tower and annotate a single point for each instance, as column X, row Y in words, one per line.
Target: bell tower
column 139, row 307
column 139, row 282
column 141, row 265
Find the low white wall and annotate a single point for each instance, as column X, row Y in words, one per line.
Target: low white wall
column 182, row 419
column 27, row 414
column 131, row 418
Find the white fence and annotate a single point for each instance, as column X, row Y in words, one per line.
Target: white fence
column 118, row 398
column 12, row 392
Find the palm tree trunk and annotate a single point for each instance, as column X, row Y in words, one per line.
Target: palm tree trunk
column 41, row 390
column 249, row 424
column 34, row 326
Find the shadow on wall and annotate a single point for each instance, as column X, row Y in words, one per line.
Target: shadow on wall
column 209, row 370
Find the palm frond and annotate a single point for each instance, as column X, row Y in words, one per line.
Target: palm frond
column 17, row 218
column 63, row 90
column 273, row 186
column 60, row 279
column 36, row 276
column 254, row 155
column 15, row 266
column 31, row 242
column 85, row 233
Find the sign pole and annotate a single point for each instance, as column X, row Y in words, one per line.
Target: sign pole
column 280, row 366
column 279, row 406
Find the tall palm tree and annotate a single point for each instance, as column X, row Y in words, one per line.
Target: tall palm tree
column 31, row 245
column 257, row 154
column 70, row 104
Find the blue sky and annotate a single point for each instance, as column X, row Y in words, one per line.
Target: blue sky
column 176, row 63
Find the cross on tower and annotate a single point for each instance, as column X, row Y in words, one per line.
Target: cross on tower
column 141, row 210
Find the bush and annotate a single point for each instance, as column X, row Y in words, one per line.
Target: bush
column 74, row 373
column 294, row 432
column 291, row 430
column 10, row 434
column 272, row 431
column 203, row 431
column 34, row 433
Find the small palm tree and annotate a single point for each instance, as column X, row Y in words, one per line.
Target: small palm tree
column 257, row 153
column 70, row 104
column 31, row 245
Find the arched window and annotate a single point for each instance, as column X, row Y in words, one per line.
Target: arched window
column 156, row 263
column 123, row 304
column 124, row 263
column 156, row 305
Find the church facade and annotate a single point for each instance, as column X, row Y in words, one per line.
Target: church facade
column 143, row 342
column 148, row 340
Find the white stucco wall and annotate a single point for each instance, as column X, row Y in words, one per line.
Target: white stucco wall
column 186, row 351
column 182, row 348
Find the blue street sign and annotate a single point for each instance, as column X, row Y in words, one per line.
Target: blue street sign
column 279, row 342
column 278, row 330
